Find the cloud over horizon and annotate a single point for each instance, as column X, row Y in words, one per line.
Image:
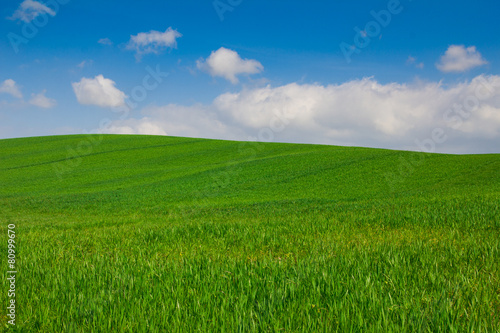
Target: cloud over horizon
column 420, row 117
column 457, row 58
column 228, row 64
column 98, row 91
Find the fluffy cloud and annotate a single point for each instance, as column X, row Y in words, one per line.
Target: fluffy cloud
column 143, row 126
column 228, row 64
column 30, row 9
column 10, row 87
column 42, row 101
column 153, row 41
column 460, row 59
column 192, row 121
column 98, row 91
column 462, row 118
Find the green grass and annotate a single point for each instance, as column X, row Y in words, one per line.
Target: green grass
column 166, row 234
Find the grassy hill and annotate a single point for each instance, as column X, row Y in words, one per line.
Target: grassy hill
column 145, row 233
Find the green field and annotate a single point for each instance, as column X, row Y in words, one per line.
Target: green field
column 120, row 233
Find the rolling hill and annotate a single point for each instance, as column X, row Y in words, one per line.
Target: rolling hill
column 151, row 233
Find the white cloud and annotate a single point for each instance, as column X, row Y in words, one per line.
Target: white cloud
column 30, row 9
column 10, row 87
column 413, row 61
column 98, row 91
column 42, row 101
column 460, row 59
column 143, row 126
column 192, row 121
column 153, row 41
column 105, row 41
column 228, row 64
column 85, row 63
column 355, row 113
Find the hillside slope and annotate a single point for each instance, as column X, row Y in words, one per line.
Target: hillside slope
column 154, row 234
column 153, row 175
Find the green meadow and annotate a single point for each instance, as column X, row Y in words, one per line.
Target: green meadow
column 122, row 233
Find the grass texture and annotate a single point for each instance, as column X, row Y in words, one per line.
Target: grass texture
column 121, row 233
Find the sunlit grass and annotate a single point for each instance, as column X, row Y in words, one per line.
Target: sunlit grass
column 150, row 234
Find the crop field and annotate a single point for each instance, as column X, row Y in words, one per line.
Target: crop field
column 122, row 233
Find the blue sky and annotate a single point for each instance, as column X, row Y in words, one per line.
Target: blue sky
column 234, row 67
